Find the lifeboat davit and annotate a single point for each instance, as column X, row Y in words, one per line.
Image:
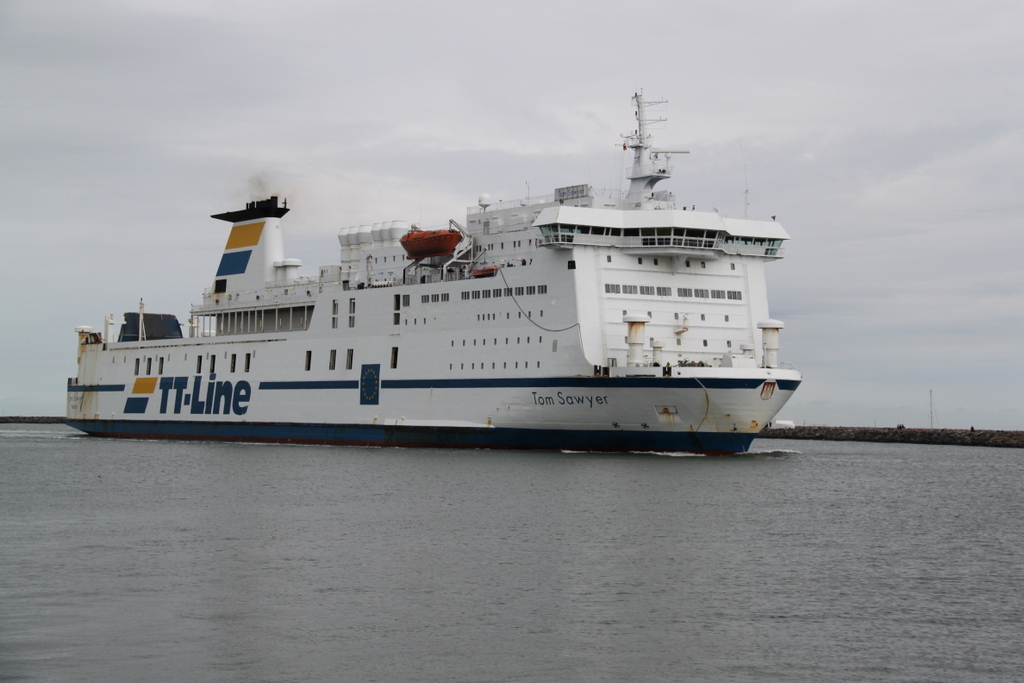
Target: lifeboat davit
column 424, row 243
column 489, row 271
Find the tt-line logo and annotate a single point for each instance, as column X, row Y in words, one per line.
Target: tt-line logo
column 216, row 398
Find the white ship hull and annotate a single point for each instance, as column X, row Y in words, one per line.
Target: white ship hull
column 711, row 412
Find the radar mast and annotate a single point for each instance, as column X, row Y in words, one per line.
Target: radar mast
column 649, row 165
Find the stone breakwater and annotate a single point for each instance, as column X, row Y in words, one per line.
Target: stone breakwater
column 946, row 437
column 22, row 419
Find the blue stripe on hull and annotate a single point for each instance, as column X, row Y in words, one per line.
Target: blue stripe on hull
column 522, row 382
column 590, row 383
column 314, row 384
column 711, row 443
column 85, row 388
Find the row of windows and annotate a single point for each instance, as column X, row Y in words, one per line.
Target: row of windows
column 679, row 342
column 211, row 366
column 483, row 317
column 703, row 264
column 494, row 365
column 332, row 359
column 149, row 365
column 702, row 316
column 693, row 233
column 497, row 293
column 514, row 244
column 677, row 237
column 519, row 340
column 685, row 292
column 756, row 241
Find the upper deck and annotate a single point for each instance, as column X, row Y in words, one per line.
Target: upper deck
column 669, row 232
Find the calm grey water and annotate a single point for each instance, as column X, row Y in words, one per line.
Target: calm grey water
column 809, row 561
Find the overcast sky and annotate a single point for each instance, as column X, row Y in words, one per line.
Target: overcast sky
column 887, row 138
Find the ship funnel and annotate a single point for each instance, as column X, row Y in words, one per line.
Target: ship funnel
column 770, row 341
column 635, row 337
column 254, row 245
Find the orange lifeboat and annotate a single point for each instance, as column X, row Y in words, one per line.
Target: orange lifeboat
column 489, row 271
column 424, row 243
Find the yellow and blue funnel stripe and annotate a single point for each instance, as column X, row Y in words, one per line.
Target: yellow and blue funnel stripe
column 241, row 237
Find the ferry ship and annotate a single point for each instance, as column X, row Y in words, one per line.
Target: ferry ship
column 584, row 320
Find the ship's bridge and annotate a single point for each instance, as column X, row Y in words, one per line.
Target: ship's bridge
column 668, row 232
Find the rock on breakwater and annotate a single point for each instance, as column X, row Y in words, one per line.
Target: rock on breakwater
column 948, row 437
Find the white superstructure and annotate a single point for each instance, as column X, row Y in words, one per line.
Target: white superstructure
column 584, row 320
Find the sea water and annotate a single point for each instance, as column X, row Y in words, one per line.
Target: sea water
column 802, row 561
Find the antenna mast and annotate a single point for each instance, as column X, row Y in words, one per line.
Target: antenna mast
column 746, row 185
column 648, row 169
